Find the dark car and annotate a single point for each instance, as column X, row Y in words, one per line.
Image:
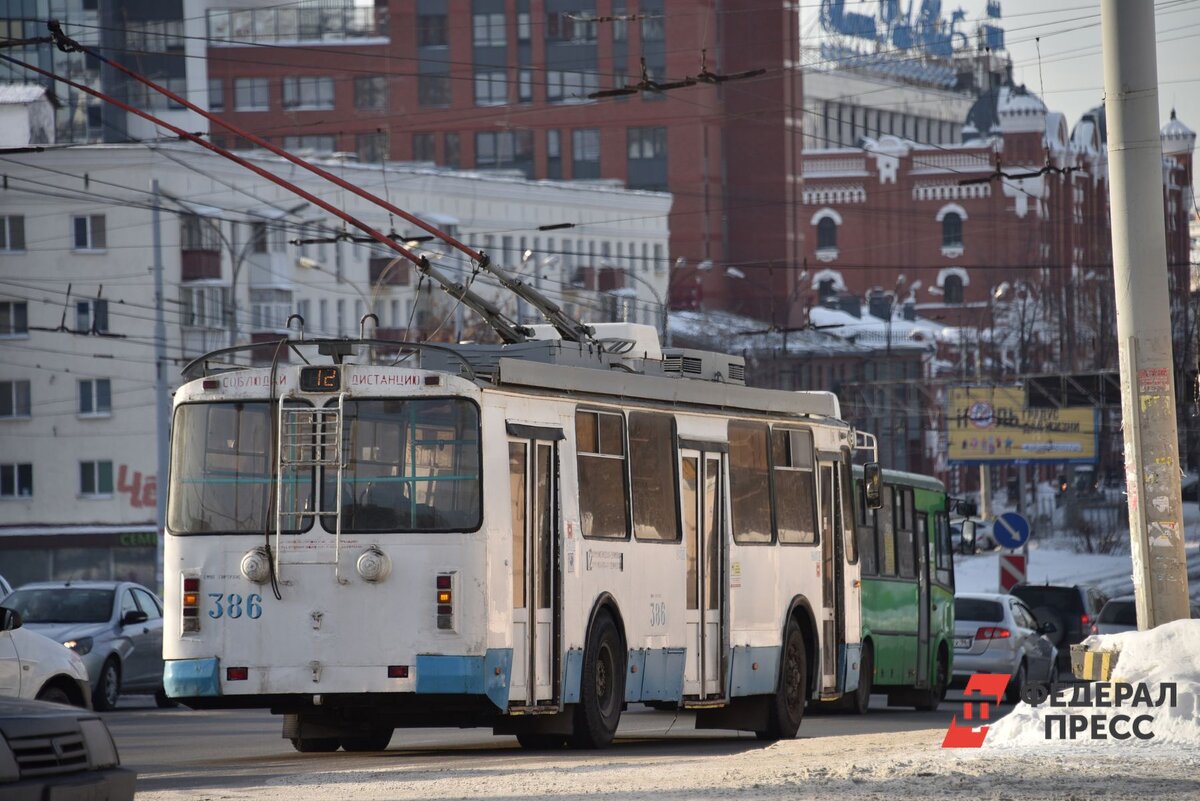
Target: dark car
column 1069, row 611
column 57, row 751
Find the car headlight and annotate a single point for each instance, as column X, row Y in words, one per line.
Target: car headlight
column 102, row 751
column 9, row 772
column 80, row 646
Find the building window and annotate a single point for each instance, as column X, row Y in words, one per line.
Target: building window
column 647, row 143
column 12, row 232
column 505, row 150
column 318, row 143
column 95, row 397
column 554, row 154
column 525, row 86
column 14, row 318
column 308, row 92
column 198, row 233
column 251, row 94
column 571, row 27
column 91, row 316
column 95, row 479
column 89, row 232
column 523, row 26
column 216, row 94
column 431, row 30
column 258, row 237
column 433, row 91
column 491, row 88
column 204, row 306
column 370, row 92
column 653, row 29
column 16, row 480
column 424, row 147
column 451, row 150
column 489, row 30
column 269, row 309
column 952, row 289
column 826, row 234
column 570, row 86
column 585, row 153
column 952, row 230
column 14, row 399
column 371, row 148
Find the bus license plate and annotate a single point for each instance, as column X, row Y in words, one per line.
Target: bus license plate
column 962, row 642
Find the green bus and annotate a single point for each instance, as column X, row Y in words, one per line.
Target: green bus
column 907, row 594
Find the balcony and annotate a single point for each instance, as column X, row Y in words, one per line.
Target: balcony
column 198, row 265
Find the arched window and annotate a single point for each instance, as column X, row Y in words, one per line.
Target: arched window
column 826, row 233
column 952, row 287
column 952, row 230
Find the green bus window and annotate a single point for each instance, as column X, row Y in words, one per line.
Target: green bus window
column 906, row 536
column 944, row 564
column 749, row 482
column 885, row 531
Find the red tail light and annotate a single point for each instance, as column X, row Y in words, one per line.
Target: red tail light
column 992, row 633
column 1084, row 622
column 445, row 601
column 190, row 604
column 237, row 674
column 397, row 671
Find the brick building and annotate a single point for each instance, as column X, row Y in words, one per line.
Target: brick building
column 504, row 84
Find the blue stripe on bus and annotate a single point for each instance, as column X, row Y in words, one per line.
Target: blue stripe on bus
column 662, row 679
column 573, row 674
column 192, row 678
column 745, row 678
column 467, row 675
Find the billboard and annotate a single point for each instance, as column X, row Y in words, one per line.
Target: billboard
column 993, row 425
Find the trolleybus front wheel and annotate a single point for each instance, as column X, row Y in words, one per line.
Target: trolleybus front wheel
column 787, row 705
column 602, row 686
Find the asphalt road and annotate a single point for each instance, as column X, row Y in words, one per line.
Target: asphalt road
column 218, row 752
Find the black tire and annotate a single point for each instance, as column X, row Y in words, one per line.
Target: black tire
column 315, row 745
column 162, row 700
column 601, row 687
column 53, row 695
column 859, row 701
column 108, row 687
column 541, row 742
column 370, row 742
column 787, row 706
column 932, row 698
column 1013, row 693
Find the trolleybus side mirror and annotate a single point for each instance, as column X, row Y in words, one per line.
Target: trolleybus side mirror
column 873, row 485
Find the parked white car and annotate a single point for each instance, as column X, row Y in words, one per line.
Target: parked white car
column 36, row 667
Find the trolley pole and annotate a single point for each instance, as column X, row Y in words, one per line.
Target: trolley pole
column 162, row 404
column 1143, row 312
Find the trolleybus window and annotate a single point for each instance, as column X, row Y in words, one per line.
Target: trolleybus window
column 600, row 448
column 795, row 493
column 845, row 485
column 517, row 460
column 749, row 482
column 411, row 465
column 221, row 471
column 652, row 476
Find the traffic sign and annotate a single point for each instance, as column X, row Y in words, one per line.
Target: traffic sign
column 1011, row 530
column 1012, row 570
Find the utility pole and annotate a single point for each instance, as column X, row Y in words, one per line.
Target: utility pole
column 1143, row 313
column 162, row 404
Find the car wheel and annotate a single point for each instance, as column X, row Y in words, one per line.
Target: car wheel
column 601, row 687
column 787, row 706
column 108, row 688
column 54, row 695
column 1013, row 693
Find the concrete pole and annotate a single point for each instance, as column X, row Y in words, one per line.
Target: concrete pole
column 1143, row 312
column 162, row 403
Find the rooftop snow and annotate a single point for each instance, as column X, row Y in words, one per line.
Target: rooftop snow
column 20, row 93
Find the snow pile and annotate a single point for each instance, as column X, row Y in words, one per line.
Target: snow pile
column 1111, row 572
column 1168, row 653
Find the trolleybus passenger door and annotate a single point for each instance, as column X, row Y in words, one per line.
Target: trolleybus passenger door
column 833, row 601
column 533, row 478
column 702, row 493
column 923, row 599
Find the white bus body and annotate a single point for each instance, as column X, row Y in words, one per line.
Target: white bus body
column 529, row 550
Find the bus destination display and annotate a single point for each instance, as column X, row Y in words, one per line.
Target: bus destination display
column 320, row 379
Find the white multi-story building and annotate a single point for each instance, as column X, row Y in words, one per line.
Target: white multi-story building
column 239, row 255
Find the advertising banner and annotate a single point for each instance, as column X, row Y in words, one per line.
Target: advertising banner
column 992, row 424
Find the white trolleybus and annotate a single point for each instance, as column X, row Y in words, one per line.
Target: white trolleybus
column 528, row 537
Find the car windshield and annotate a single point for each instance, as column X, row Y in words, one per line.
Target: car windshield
column 1035, row 596
column 1119, row 613
column 62, row 605
column 978, row 609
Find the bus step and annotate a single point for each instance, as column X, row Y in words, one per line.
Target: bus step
column 533, row 710
column 707, row 703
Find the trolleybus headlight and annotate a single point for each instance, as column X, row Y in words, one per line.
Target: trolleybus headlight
column 374, row 565
column 256, row 565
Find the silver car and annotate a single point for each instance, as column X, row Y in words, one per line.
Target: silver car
column 995, row 633
column 115, row 626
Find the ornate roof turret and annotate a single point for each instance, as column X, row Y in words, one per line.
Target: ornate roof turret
column 1177, row 138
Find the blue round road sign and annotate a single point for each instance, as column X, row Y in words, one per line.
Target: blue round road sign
column 1011, row 530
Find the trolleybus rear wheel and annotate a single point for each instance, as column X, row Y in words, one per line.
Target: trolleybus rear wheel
column 601, row 687
column 787, row 706
column 860, row 699
column 372, row 741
